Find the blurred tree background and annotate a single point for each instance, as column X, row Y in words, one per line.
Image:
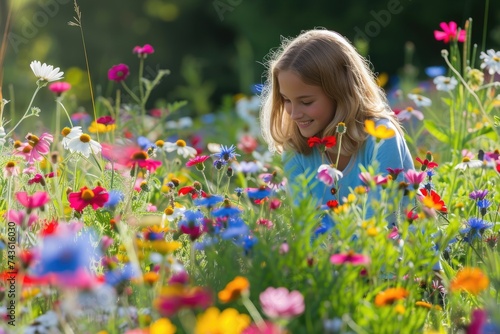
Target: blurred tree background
column 216, row 48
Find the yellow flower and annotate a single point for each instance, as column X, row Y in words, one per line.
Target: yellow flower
column 399, row 309
column 101, row 128
column 472, row 280
column 234, row 289
column 162, row 326
column 228, row 321
column 379, row 132
column 160, row 246
column 382, row 79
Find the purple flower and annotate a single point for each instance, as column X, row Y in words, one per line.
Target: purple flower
column 478, row 194
column 118, row 72
column 281, row 303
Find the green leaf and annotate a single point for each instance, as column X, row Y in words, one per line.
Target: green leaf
column 476, row 134
column 439, row 133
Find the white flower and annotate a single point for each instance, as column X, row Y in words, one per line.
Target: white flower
column 491, row 60
column 468, row 163
column 69, row 134
column 445, row 83
column 408, row 113
column 84, row 145
column 172, row 214
column 181, row 123
column 46, row 72
column 419, row 100
column 181, row 148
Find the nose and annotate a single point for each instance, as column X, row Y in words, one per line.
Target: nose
column 294, row 112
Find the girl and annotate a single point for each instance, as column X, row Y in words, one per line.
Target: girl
column 314, row 82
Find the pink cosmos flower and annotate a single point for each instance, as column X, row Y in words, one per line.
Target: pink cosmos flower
column 19, row 217
column 118, row 72
column 350, row 257
column 281, row 303
column 414, row 177
column 198, row 160
column 143, row 50
column 449, row 33
column 37, row 200
column 96, row 197
column 35, row 147
column 59, row 87
column 10, row 169
column 247, row 144
column 328, row 174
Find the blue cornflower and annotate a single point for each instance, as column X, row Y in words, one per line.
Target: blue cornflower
column 66, row 253
column 193, row 217
column 226, row 211
column 236, row 228
column 218, row 164
column 126, row 273
column 327, row 223
column 115, row 197
column 475, row 229
column 227, row 153
column 434, row 71
column 145, row 144
column 208, row 201
column 259, row 193
column 478, row 194
column 483, row 205
column 239, row 191
column 248, row 242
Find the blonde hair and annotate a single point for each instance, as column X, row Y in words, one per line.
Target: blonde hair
column 326, row 59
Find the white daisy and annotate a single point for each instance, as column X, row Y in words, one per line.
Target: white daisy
column 419, row 100
column 491, row 60
column 84, row 145
column 468, row 163
column 172, row 214
column 69, row 134
column 181, row 148
column 46, row 72
column 445, row 84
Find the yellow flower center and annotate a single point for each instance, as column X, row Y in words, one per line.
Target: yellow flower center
column 409, row 109
column 180, row 143
column 169, row 211
column 17, row 144
column 33, row 140
column 496, row 59
column 140, row 155
column 87, row 195
column 27, row 149
column 10, row 164
column 65, row 131
column 85, row 138
column 159, row 143
column 466, row 159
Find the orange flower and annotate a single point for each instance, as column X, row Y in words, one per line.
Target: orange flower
column 390, row 295
column 234, row 289
column 423, row 304
column 472, row 280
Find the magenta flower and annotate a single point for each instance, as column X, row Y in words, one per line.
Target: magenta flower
column 59, row 87
column 414, row 177
column 143, row 51
column 265, row 327
column 118, row 72
column 197, row 161
column 449, row 33
column 281, row 303
column 350, row 257
column 37, row 200
column 106, row 120
column 96, row 197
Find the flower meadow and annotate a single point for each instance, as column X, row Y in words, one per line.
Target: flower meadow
column 134, row 220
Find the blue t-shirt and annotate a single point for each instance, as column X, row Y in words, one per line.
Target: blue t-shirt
column 391, row 153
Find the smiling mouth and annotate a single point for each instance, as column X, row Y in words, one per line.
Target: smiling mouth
column 301, row 124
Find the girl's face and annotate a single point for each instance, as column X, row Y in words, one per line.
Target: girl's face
column 308, row 106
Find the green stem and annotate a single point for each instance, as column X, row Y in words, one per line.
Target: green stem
column 39, row 86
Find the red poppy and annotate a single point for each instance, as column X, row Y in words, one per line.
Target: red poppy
column 432, row 200
column 327, row 142
column 426, row 164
